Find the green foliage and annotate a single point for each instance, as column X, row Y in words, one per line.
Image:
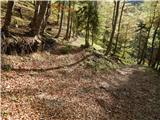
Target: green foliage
column 4, row 113
column 88, row 13
column 101, row 64
column 6, row 67
column 66, row 49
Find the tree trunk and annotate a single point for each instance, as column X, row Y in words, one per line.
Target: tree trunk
column 87, row 33
column 46, row 17
column 40, row 17
column 156, row 62
column 61, row 21
column 114, row 10
column 59, row 10
column 70, row 28
column 92, row 37
column 71, row 25
column 113, row 29
column 36, row 12
column 8, row 16
column 139, row 47
column 125, row 43
column 142, row 60
column 68, row 21
column 119, row 27
column 87, row 36
column 153, row 42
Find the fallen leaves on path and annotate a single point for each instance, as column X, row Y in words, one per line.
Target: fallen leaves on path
column 77, row 92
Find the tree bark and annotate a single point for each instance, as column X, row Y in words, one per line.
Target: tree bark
column 153, row 42
column 87, row 32
column 72, row 13
column 156, row 62
column 119, row 27
column 59, row 10
column 113, row 29
column 40, row 17
column 46, row 17
column 142, row 60
column 87, row 35
column 8, row 16
column 61, row 21
column 68, row 22
column 36, row 12
column 125, row 43
column 139, row 47
column 114, row 10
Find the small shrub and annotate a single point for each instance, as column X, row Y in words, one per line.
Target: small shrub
column 6, row 67
column 4, row 113
column 65, row 50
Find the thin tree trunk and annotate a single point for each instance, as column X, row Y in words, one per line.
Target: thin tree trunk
column 153, row 42
column 139, row 47
column 119, row 27
column 113, row 29
column 142, row 60
column 92, row 37
column 87, row 34
column 114, row 10
column 70, row 29
column 36, row 12
column 61, row 21
column 68, row 22
column 156, row 62
column 113, row 19
column 59, row 10
column 125, row 43
column 46, row 17
column 8, row 16
column 72, row 13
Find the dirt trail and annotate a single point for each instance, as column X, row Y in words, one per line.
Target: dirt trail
column 78, row 92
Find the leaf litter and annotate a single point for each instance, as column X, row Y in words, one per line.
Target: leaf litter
column 76, row 92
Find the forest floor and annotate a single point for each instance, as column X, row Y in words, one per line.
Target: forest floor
column 50, row 86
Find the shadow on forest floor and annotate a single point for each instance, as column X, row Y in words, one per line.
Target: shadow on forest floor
column 128, row 94
column 52, row 68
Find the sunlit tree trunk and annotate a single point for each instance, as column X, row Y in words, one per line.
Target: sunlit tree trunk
column 142, row 60
column 139, row 47
column 70, row 28
column 8, row 16
column 113, row 29
column 125, row 43
column 61, row 21
column 68, row 21
column 87, row 35
column 156, row 62
column 87, row 30
column 119, row 27
column 46, row 17
column 59, row 10
column 40, row 17
column 72, row 13
column 95, row 21
column 113, row 16
column 153, row 42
